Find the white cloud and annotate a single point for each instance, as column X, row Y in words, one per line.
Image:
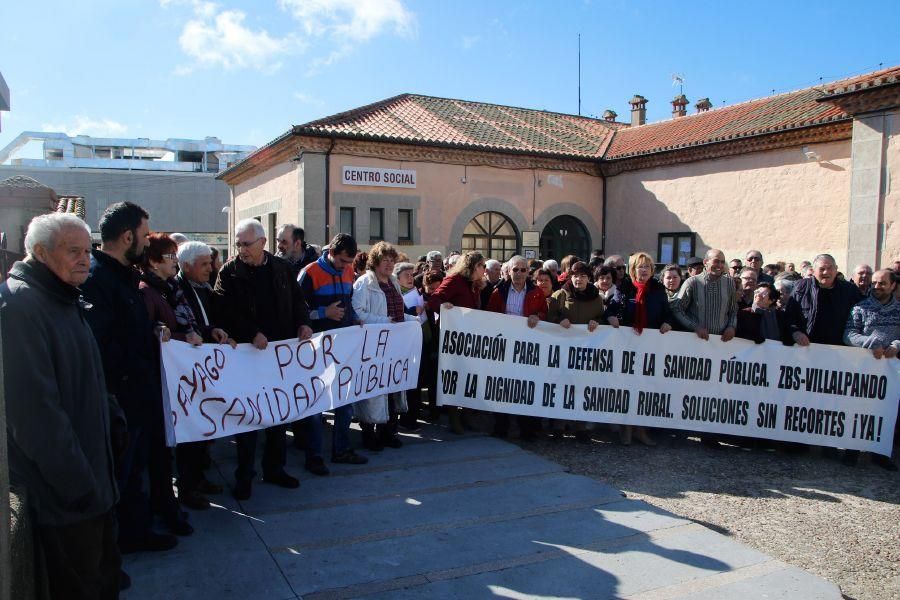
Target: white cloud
column 468, row 41
column 307, row 99
column 84, row 125
column 351, row 20
column 219, row 38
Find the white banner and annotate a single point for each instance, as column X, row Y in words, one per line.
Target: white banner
column 819, row 395
column 212, row 390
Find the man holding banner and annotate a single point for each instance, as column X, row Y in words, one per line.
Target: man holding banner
column 260, row 302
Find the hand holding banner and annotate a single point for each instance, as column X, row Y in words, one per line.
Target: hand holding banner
column 213, row 390
column 819, row 395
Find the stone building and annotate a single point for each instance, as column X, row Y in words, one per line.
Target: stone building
column 793, row 175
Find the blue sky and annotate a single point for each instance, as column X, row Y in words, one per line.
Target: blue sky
column 246, row 71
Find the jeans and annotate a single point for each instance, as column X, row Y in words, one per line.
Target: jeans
column 340, row 434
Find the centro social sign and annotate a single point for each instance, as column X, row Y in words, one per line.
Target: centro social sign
column 403, row 178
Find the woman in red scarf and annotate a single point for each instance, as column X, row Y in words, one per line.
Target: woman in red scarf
column 640, row 303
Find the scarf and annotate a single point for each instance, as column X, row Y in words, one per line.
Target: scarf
column 174, row 295
column 640, row 305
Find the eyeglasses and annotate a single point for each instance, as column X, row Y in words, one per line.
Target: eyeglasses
column 517, row 270
column 246, row 244
column 735, row 267
column 753, row 258
column 170, row 256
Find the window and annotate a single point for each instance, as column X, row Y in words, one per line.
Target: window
column 676, row 248
column 404, row 225
column 491, row 234
column 348, row 221
column 376, row 224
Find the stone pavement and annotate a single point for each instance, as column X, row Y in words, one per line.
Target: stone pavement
column 453, row 517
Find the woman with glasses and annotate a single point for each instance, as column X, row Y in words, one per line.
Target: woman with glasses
column 641, row 303
column 167, row 306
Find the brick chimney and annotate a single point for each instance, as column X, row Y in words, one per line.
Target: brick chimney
column 703, row 105
column 638, row 110
column 679, row 106
column 609, row 115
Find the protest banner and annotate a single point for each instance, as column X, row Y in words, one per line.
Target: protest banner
column 212, row 391
column 820, row 395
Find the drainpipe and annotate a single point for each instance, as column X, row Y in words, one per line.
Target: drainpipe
column 603, row 215
column 328, row 192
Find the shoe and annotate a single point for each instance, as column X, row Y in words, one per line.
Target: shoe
column 371, row 441
column 500, row 434
column 349, row 458
column 192, row 499
column 850, row 458
column 528, row 437
column 413, row 427
column 625, row 435
column 152, row 542
column 884, row 462
column 643, row 437
column 316, row 466
column 557, row 436
column 456, row 425
column 282, row 479
column 124, row 580
column 583, row 437
column 179, row 526
column 207, row 487
column 392, row 441
column 242, row 489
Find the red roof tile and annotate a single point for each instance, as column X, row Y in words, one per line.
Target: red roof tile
column 863, row 82
column 411, row 118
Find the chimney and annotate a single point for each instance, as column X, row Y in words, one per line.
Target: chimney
column 638, row 110
column 703, row 105
column 679, row 106
column 609, row 115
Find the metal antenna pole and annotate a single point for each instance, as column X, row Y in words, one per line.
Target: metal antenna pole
column 579, row 74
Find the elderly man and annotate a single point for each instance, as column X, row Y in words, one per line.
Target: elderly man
column 707, row 303
column 58, row 411
column 694, row 266
column 518, row 296
column 293, row 248
column 754, row 258
column 553, row 266
column 874, row 323
column 735, row 267
column 492, row 271
column 862, row 278
column 127, row 339
column 819, row 306
column 748, row 281
column 260, row 301
column 195, row 262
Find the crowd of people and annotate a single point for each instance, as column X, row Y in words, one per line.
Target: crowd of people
column 82, row 327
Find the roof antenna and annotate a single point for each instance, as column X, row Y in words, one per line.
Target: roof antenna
column 678, row 79
column 579, row 74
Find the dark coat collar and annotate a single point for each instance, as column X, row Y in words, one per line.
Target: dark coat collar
column 35, row 273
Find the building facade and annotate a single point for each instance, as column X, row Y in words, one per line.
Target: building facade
column 792, row 175
column 174, row 180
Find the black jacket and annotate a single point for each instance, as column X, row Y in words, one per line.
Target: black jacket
column 237, row 311
column 57, row 408
column 622, row 305
column 803, row 310
column 118, row 317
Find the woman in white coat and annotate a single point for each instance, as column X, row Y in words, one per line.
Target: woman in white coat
column 377, row 299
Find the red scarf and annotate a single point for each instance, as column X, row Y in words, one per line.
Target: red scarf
column 640, row 307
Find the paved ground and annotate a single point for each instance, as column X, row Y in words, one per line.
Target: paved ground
column 455, row 517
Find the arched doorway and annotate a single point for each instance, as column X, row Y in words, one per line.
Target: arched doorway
column 491, row 234
column 565, row 235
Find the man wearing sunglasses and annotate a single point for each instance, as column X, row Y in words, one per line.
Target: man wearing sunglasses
column 520, row 297
column 260, row 301
column 754, row 259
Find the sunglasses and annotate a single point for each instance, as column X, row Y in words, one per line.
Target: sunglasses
column 517, row 270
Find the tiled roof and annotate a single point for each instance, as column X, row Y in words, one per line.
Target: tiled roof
column 411, row 118
column 864, row 82
column 792, row 110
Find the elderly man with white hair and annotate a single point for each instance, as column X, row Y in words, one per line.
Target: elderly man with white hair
column 58, row 411
column 260, row 301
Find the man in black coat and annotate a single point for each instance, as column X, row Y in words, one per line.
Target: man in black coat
column 127, row 338
column 818, row 308
column 59, row 414
column 259, row 301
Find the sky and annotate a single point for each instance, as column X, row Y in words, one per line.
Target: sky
column 245, row 72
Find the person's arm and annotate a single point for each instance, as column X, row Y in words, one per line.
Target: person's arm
column 36, row 421
column 362, row 303
column 238, row 325
column 298, row 304
column 681, row 302
column 101, row 318
column 444, row 293
column 853, row 331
